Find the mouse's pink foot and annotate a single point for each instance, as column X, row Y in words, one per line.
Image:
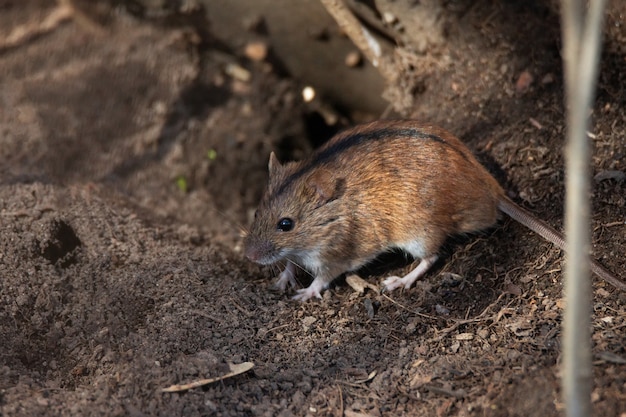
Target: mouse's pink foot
column 306, row 294
column 409, row 279
column 392, row 283
column 313, row 290
column 287, row 277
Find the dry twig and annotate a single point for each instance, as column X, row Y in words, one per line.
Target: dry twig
column 361, row 37
column 581, row 38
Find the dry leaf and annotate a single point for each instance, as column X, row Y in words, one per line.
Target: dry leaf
column 350, row 413
column 521, row 327
column 234, row 370
column 610, row 175
column 502, row 312
column 420, row 379
column 368, row 379
column 359, row 285
column 611, row 358
column 513, row 289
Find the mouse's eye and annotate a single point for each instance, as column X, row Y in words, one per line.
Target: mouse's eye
column 285, row 224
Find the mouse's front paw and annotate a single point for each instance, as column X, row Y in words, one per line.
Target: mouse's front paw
column 392, row 283
column 287, row 277
column 314, row 290
column 306, row 294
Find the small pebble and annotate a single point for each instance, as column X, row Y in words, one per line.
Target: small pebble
column 523, row 83
column 353, row 59
column 256, row 51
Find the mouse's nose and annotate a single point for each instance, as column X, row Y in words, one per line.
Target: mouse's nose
column 252, row 254
column 258, row 250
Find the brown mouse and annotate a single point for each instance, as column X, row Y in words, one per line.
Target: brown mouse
column 373, row 188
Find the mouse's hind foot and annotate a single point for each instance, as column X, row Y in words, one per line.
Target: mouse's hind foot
column 409, row 279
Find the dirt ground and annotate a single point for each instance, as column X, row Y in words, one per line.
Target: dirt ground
column 133, row 150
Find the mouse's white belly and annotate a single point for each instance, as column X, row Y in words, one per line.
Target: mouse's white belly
column 414, row 247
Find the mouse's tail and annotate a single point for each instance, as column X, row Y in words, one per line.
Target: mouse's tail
column 546, row 231
column 531, row 221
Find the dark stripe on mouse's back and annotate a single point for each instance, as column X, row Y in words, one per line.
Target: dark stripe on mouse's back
column 345, row 141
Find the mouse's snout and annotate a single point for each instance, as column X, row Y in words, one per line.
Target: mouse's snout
column 258, row 250
column 252, row 254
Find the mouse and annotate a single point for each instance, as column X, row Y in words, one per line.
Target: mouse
column 376, row 187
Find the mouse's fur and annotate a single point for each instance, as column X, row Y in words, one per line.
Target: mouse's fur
column 383, row 185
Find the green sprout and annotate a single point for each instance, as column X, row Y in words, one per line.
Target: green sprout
column 181, row 183
column 211, row 154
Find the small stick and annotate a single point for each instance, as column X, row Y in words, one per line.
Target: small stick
column 23, row 33
column 361, row 37
column 443, row 391
column 581, row 40
column 63, row 12
column 340, row 401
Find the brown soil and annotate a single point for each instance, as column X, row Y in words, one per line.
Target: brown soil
column 130, row 161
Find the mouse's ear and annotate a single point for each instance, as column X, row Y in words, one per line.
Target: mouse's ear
column 325, row 185
column 274, row 163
